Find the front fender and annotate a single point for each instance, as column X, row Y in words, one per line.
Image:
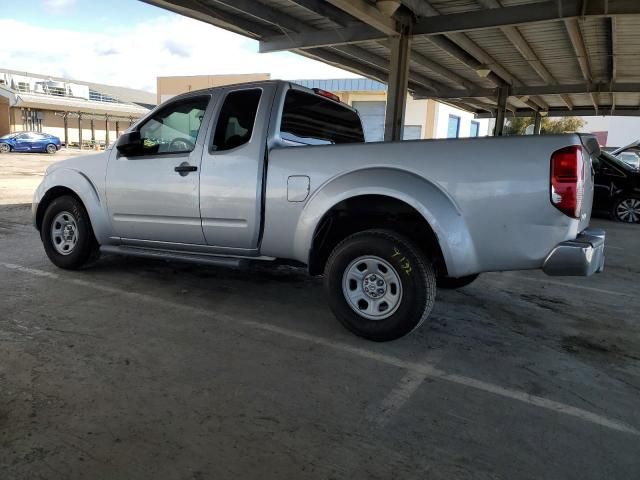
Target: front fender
column 89, row 193
column 435, row 206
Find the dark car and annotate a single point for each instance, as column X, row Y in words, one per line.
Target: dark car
column 616, row 188
column 629, row 154
column 29, row 142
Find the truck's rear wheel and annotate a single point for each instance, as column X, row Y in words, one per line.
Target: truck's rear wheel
column 380, row 286
column 67, row 235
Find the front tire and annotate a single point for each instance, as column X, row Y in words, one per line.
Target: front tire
column 67, row 235
column 626, row 209
column 379, row 285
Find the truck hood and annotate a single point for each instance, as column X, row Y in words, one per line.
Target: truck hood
column 79, row 163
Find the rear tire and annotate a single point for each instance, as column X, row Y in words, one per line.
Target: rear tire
column 450, row 283
column 379, row 285
column 51, row 149
column 5, row 148
column 67, row 235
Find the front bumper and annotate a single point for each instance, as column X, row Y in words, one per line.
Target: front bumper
column 581, row 257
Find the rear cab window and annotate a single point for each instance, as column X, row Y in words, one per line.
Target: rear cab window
column 310, row 119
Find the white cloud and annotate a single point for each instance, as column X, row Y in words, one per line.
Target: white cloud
column 58, row 6
column 134, row 57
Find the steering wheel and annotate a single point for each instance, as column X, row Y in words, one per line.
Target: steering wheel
column 181, row 145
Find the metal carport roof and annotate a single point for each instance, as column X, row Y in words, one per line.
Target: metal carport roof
column 559, row 57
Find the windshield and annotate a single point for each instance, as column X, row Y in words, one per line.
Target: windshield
column 631, row 157
column 8, row 135
column 617, row 161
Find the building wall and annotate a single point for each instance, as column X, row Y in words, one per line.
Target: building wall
column 442, row 122
column 171, row 86
column 620, row 131
column 5, row 124
column 54, row 125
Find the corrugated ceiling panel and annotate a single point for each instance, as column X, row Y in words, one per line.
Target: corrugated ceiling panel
column 628, row 48
column 551, row 44
column 594, row 32
column 426, row 48
column 502, row 50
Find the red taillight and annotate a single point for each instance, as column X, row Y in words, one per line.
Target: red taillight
column 326, row 94
column 567, row 180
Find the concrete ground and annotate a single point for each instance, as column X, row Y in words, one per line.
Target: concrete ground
column 144, row 369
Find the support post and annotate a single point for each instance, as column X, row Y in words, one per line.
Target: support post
column 503, row 95
column 106, row 131
column 93, row 134
column 397, row 88
column 537, row 123
column 66, row 129
column 80, row 130
column 117, row 128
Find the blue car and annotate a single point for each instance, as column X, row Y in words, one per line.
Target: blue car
column 29, row 142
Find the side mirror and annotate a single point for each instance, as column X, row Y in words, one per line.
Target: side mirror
column 129, row 143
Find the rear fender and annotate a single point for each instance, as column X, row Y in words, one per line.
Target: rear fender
column 435, row 206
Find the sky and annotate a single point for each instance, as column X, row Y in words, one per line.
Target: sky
column 129, row 43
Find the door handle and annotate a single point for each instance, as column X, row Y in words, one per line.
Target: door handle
column 184, row 169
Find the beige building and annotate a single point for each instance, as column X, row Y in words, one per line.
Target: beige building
column 171, row 86
column 79, row 113
column 423, row 118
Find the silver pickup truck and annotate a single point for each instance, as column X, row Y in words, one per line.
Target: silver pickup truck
column 272, row 171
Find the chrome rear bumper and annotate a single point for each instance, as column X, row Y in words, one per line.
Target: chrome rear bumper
column 581, row 257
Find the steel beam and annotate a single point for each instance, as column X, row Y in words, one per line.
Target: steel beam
column 577, row 41
column 522, row 46
column 80, row 130
column 578, row 111
column 368, row 14
column 522, row 91
column 512, row 16
column 397, row 89
column 537, row 123
column 503, row 95
column 423, row 8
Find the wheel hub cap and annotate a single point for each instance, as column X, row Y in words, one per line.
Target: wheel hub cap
column 629, row 210
column 64, row 233
column 372, row 287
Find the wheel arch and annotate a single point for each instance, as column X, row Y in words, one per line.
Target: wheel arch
column 441, row 227
column 71, row 182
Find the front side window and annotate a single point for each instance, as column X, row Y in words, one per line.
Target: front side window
column 311, row 120
column 236, row 119
column 174, row 129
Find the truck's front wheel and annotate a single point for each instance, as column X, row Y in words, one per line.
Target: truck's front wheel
column 379, row 285
column 67, row 235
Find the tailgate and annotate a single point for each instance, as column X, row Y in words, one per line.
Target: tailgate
column 590, row 150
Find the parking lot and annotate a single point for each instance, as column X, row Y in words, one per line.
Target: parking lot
column 144, row 369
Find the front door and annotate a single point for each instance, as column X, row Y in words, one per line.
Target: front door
column 153, row 195
column 22, row 143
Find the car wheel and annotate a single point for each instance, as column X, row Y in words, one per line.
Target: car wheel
column 626, row 209
column 5, row 148
column 67, row 235
column 51, row 149
column 452, row 283
column 379, row 284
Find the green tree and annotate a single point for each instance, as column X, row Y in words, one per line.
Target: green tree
column 518, row 125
